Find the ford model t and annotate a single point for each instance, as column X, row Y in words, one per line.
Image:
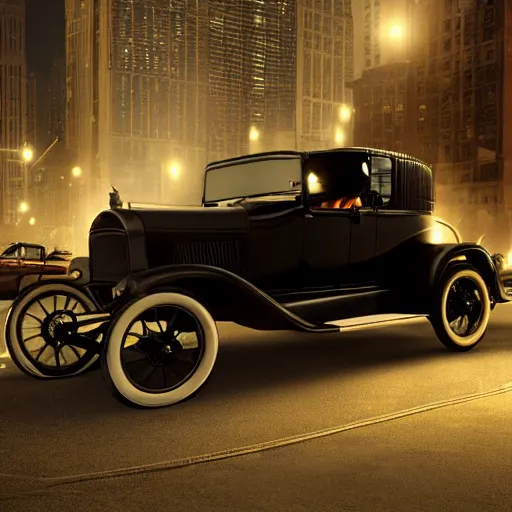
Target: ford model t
column 317, row 242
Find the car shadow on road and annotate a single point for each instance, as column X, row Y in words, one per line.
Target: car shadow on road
column 285, row 358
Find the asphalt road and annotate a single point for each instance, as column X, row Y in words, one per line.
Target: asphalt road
column 60, row 439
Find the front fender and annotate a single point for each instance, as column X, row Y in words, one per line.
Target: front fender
column 227, row 296
column 476, row 256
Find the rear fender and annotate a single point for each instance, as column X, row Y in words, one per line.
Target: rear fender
column 476, row 256
column 227, row 296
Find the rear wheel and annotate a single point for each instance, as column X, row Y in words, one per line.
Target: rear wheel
column 462, row 307
column 160, row 350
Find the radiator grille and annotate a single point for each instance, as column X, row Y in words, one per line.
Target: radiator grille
column 226, row 254
column 109, row 259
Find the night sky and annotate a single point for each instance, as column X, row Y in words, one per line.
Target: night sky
column 45, row 34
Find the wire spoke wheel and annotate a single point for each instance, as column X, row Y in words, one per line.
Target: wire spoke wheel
column 461, row 314
column 43, row 336
column 464, row 308
column 160, row 350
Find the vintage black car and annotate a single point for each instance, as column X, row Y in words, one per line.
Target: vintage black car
column 317, row 242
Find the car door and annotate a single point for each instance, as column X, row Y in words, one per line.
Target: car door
column 363, row 236
column 327, row 246
column 31, row 259
column 10, row 268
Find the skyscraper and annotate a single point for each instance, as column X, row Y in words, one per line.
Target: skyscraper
column 468, row 97
column 372, row 34
column 156, row 88
column 13, row 106
column 54, row 98
column 136, row 92
column 325, row 67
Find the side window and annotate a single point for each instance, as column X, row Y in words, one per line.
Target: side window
column 336, row 180
column 380, row 179
column 32, row 253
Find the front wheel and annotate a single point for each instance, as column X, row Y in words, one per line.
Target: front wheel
column 160, row 350
column 41, row 331
column 461, row 308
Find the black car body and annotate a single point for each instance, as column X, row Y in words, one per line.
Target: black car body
column 283, row 240
column 285, row 247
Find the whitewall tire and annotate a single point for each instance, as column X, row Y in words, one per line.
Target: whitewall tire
column 36, row 304
column 462, row 308
column 156, row 356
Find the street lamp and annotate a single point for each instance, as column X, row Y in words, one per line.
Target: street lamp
column 32, row 221
column 399, row 36
column 254, row 134
column 396, row 32
column 28, row 154
column 345, row 113
column 174, row 171
column 339, row 136
column 76, row 172
column 24, row 207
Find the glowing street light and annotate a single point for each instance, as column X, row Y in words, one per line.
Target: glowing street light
column 345, row 113
column 76, row 172
column 254, row 134
column 27, row 154
column 174, row 171
column 24, row 207
column 32, row 221
column 396, row 32
column 339, row 137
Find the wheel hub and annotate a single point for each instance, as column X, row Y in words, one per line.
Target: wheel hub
column 157, row 350
column 58, row 327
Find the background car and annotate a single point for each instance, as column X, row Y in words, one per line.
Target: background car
column 24, row 263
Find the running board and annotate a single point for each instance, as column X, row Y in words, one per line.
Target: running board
column 368, row 322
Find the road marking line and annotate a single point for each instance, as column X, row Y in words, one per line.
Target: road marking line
column 259, row 447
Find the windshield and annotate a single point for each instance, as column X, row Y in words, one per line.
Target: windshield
column 11, row 252
column 258, row 177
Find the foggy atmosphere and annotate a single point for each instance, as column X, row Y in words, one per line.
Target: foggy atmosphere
column 256, row 255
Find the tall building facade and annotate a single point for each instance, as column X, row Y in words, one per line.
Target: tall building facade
column 53, row 97
column 385, row 112
column 32, row 111
column 136, row 93
column 469, row 58
column 156, row 89
column 459, row 110
column 13, row 107
column 252, row 82
column 371, row 34
column 325, row 68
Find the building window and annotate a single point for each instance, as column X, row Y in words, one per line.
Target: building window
column 488, row 34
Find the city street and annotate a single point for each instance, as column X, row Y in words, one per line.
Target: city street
column 60, row 439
